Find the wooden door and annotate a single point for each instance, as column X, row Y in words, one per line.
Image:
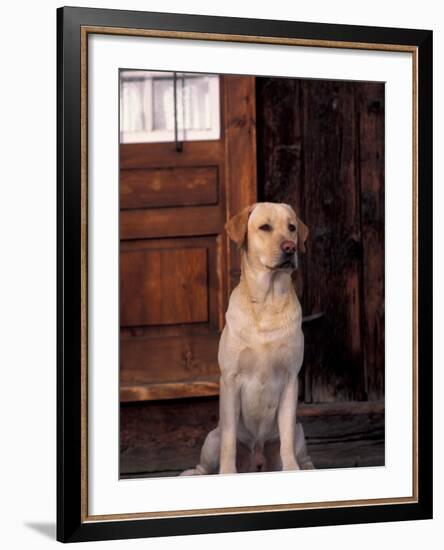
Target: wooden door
column 176, row 264
column 321, row 149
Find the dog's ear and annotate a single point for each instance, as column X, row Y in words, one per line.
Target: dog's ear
column 237, row 226
column 302, row 235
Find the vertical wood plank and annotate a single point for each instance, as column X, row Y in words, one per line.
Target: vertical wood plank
column 280, row 169
column 338, row 144
column 280, row 166
column 279, row 133
column 335, row 364
column 370, row 103
column 240, row 140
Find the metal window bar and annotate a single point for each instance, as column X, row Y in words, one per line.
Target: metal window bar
column 179, row 144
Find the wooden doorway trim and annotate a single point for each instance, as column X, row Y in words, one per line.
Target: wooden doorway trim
column 241, row 157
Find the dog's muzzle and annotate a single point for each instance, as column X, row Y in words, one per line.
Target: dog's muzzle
column 289, row 256
column 287, row 262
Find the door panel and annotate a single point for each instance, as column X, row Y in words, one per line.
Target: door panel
column 174, row 267
column 157, row 187
column 171, row 222
column 183, row 351
column 160, row 155
column 164, row 287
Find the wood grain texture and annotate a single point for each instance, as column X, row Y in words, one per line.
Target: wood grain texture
column 279, row 155
column 164, row 155
column 164, row 354
column 162, row 287
column 370, row 98
column 161, row 187
column 169, row 390
column 240, row 131
column 171, row 222
column 331, row 211
column 150, row 358
column 163, row 438
column 320, row 148
column 173, row 303
column 208, row 243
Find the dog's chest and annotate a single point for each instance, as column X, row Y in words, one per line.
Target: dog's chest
column 264, row 348
column 263, row 374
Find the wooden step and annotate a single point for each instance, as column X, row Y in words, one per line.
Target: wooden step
column 169, row 390
column 164, row 437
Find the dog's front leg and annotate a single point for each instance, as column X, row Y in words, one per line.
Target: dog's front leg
column 229, row 407
column 287, row 424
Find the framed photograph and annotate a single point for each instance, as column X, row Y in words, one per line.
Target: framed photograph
column 244, row 274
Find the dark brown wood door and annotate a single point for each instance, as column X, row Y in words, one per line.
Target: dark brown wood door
column 176, row 264
column 321, row 149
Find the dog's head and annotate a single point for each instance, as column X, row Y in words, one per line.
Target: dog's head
column 270, row 233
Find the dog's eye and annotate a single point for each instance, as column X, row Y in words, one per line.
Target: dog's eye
column 291, row 227
column 266, row 227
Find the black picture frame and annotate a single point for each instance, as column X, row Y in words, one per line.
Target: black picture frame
column 71, row 523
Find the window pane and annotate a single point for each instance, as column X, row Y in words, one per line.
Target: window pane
column 163, row 99
column 149, row 110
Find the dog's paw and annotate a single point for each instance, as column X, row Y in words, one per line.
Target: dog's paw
column 290, row 464
column 227, row 470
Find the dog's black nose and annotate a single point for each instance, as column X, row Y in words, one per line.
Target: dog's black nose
column 288, row 247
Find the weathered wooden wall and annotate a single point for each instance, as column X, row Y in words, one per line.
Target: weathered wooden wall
column 320, row 147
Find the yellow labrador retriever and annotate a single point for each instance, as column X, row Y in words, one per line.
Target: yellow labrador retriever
column 260, row 351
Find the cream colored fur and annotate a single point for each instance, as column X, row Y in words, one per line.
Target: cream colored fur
column 260, row 352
